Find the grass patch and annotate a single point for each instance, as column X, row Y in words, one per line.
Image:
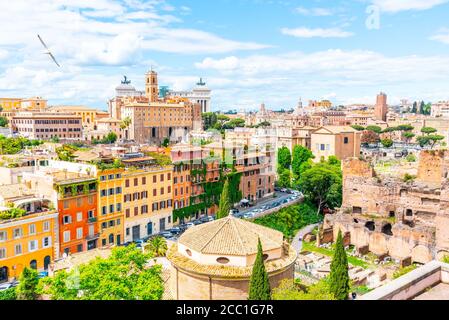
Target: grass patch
column 310, row 246
column 290, row 219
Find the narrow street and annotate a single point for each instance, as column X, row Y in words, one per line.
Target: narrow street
column 297, row 240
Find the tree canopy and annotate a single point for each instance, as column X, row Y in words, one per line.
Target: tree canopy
column 300, row 156
column 122, row 276
column 376, row 129
column 284, row 159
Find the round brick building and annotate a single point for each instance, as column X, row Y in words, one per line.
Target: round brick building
column 215, row 260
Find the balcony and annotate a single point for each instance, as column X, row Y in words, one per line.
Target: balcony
column 93, row 236
column 92, row 220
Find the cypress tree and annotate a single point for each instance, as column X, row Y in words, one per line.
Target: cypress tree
column 339, row 276
column 259, row 285
column 225, row 205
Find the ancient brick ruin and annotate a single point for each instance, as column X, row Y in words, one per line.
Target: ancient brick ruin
column 385, row 215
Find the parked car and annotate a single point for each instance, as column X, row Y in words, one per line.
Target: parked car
column 189, row 225
column 175, row 230
column 284, row 190
column 166, row 234
column 238, row 215
column 6, row 285
column 248, row 215
column 139, row 243
column 235, row 210
column 197, row 222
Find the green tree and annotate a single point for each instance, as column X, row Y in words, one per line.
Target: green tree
column 300, row 156
column 339, row 276
column 27, row 288
column 387, row 143
column 259, row 284
column 166, row 142
column 285, row 178
column 408, row 136
column 284, row 159
column 125, row 123
column 358, row 127
column 415, row 107
column 421, row 107
column 224, row 205
column 3, row 122
column 209, row 120
column 8, row 294
column 157, row 246
column 123, row 276
column 428, row 130
column 289, row 290
column 322, row 185
column 375, row 129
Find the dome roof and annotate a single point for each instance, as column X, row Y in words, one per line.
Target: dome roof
column 231, row 236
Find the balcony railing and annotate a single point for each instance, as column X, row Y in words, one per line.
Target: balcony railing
column 92, row 220
column 93, row 236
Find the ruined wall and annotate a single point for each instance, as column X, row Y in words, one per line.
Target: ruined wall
column 430, row 168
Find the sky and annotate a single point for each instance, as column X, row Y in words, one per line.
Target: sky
column 248, row 51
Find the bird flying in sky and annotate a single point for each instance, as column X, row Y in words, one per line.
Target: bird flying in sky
column 48, row 50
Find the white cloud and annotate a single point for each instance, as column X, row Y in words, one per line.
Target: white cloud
column 441, row 36
column 342, row 76
column 403, row 5
column 318, row 32
column 318, row 12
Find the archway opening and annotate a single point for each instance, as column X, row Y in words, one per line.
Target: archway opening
column 386, row 229
column 33, row 264
column 370, row 225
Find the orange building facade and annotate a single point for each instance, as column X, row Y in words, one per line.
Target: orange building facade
column 77, row 206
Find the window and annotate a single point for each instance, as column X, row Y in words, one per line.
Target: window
column 104, row 225
column 111, row 191
column 128, row 213
column 328, row 147
column 111, row 223
column 168, row 176
column 136, row 211
column 127, row 183
column 154, row 179
column 162, row 177
column 79, row 248
column 79, row 233
column 46, row 242
column 79, row 216
column 322, row 147
column 32, row 229
column 102, row 178
column 111, row 208
column 104, row 210
column 17, row 249
column 32, row 245
column 154, row 192
column 17, row 233
column 90, row 214
column 66, row 219
column 169, row 219
column 3, row 236
column 119, row 207
column 127, row 231
column 103, row 242
column 144, row 180
column 66, row 236
column 118, row 175
column 103, row 193
column 136, row 182
column 162, row 191
column 111, row 177
column 118, row 190
column 346, row 140
column 46, row 226
column 169, row 189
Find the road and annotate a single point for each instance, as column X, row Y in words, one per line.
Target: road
column 279, row 196
column 297, row 240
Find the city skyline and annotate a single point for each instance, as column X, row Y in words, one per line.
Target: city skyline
column 310, row 49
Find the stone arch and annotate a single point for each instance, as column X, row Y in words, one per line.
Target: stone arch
column 386, row 229
column 370, row 225
column 421, row 254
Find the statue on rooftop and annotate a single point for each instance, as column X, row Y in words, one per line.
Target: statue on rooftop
column 126, row 81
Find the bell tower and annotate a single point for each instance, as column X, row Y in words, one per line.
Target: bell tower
column 151, row 87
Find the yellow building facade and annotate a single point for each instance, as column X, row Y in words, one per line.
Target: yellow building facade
column 28, row 241
column 34, row 103
column 148, row 201
column 110, row 207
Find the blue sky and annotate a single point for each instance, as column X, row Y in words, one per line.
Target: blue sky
column 249, row 51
